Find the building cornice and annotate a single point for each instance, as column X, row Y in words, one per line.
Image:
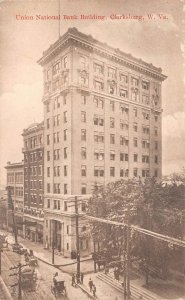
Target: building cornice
column 74, row 37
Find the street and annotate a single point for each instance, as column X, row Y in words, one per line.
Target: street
column 44, row 282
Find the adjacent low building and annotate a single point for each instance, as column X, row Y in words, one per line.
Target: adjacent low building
column 33, row 151
column 15, row 179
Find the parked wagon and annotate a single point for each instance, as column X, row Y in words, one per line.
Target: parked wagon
column 58, row 288
column 28, row 278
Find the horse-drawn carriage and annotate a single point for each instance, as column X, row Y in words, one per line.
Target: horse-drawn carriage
column 19, row 249
column 28, row 278
column 31, row 259
column 58, row 288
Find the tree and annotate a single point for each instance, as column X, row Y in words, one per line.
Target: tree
column 154, row 206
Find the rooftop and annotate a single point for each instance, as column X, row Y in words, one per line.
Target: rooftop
column 88, row 40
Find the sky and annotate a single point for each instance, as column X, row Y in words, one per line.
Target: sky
column 22, row 42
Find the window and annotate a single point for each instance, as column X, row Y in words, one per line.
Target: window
column 146, row 129
column 98, row 85
column 112, row 138
column 56, row 188
column 83, row 99
column 83, row 153
column 65, row 152
column 98, row 69
column 145, row 99
column 98, row 120
column 83, row 170
column 83, row 189
column 56, row 154
column 65, row 170
column 98, row 155
column 156, row 118
column 145, row 173
column 65, row 188
column 48, row 203
column 135, row 171
column 112, row 155
column 135, row 142
column 84, row 80
column 135, row 127
column 123, row 78
column 48, row 123
column 156, row 159
column 56, row 68
column 48, row 155
column 48, row 171
column 124, row 125
column 123, row 156
column 126, row 173
column 145, row 144
column 134, row 94
column 65, row 135
column 54, row 204
column 111, row 89
column 65, row 205
column 135, row 112
column 83, row 116
column 145, row 85
column 145, row 158
column 56, row 171
column 156, row 145
column 124, row 109
column 121, row 172
column 83, row 60
column 112, row 105
column 123, row 93
column 134, row 81
column 47, row 107
column 112, row 122
column 135, row 157
column 146, row 115
column 67, row 229
column 65, row 116
column 55, row 85
column 96, row 101
column 83, row 134
column 98, row 171
column 99, row 137
column 156, row 173
column 65, row 62
column 156, row 131
column 111, row 73
column 112, row 171
column 48, row 187
column 48, row 139
column 64, row 99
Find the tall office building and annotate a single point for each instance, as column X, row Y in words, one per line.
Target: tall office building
column 33, row 181
column 102, row 121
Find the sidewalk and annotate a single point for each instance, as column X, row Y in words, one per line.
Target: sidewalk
column 67, row 265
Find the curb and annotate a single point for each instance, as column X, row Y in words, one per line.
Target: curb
column 5, row 289
column 87, row 292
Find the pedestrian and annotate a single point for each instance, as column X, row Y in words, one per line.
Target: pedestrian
column 73, row 283
column 94, row 290
column 90, row 284
column 82, row 277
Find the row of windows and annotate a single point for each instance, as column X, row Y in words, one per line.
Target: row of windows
column 61, row 64
column 18, row 177
column 34, row 184
column 33, row 142
column 33, row 171
column 33, row 198
column 33, row 157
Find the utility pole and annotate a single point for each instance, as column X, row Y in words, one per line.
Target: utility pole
column 124, row 264
column 53, row 250
column 19, row 283
column 77, row 237
column 10, row 202
column 1, row 250
column 128, row 253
